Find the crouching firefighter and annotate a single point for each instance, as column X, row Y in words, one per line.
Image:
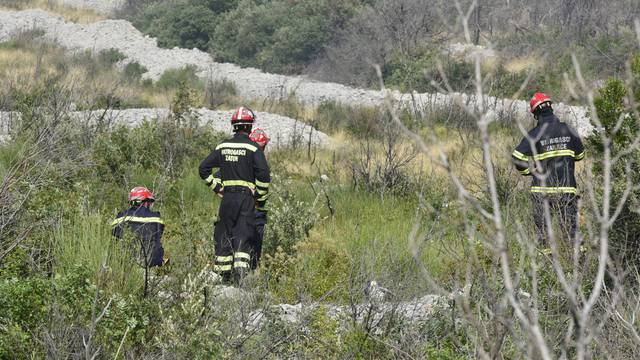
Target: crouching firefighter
column 146, row 226
column 548, row 154
column 243, row 172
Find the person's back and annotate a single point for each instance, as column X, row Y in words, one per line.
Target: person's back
column 144, row 224
column 243, row 172
column 548, row 153
column 556, row 148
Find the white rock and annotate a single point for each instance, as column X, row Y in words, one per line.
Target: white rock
column 282, row 130
column 250, row 83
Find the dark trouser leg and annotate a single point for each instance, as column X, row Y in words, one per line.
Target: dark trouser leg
column 156, row 254
column 568, row 207
column 540, row 224
column 257, row 245
column 223, row 262
column 243, row 249
column 237, row 211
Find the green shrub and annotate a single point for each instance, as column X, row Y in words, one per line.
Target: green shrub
column 219, row 92
column 173, row 78
column 290, row 221
column 133, row 72
column 611, row 107
column 111, row 56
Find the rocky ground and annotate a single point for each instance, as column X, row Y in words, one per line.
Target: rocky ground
column 251, row 83
column 284, row 131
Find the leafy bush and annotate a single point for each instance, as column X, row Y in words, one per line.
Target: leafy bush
column 173, row 78
column 612, row 107
column 219, row 92
column 133, row 71
column 290, row 221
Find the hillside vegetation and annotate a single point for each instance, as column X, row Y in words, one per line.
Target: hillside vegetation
column 340, row 40
column 420, row 200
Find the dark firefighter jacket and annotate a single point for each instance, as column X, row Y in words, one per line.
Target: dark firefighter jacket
column 146, row 225
column 241, row 163
column 548, row 153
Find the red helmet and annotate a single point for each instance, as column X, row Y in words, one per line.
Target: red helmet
column 140, row 194
column 537, row 100
column 243, row 116
column 259, row 136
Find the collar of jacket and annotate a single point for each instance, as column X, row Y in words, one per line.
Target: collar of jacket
column 240, row 135
column 546, row 118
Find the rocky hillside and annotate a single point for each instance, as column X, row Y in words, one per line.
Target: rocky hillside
column 251, row 83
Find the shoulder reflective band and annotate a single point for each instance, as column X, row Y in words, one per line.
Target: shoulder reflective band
column 137, row 219
column 553, row 190
column 520, row 156
column 221, row 268
column 552, row 154
column 239, row 183
column 580, row 156
column 241, row 255
column 525, row 171
column 237, row 146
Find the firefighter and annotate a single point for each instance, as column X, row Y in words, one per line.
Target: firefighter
column 548, row 154
column 244, row 177
column 260, row 137
column 146, row 225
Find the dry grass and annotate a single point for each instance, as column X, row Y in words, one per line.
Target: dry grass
column 82, row 16
column 26, row 63
column 518, row 65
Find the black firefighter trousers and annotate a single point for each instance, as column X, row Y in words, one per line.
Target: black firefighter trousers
column 233, row 232
column 563, row 206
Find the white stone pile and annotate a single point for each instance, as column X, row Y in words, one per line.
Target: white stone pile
column 250, row 83
column 282, row 130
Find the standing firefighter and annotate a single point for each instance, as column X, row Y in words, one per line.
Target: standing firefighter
column 244, row 173
column 146, row 225
column 260, row 137
column 548, row 153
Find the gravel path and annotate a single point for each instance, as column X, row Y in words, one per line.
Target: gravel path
column 284, row 131
column 251, row 83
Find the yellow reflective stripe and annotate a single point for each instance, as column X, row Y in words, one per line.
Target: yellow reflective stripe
column 525, row 171
column 553, row 190
column 555, row 153
column 263, row 198
column 580, row 156
column 262, row 192
column 262, row 184
column 242, row 255
column 237, row 146
column 240, row 264
column 137, row 220
column 209, row 179
column 238, row 183
column 222, row 267
column 518, row 155
column 224, row 258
